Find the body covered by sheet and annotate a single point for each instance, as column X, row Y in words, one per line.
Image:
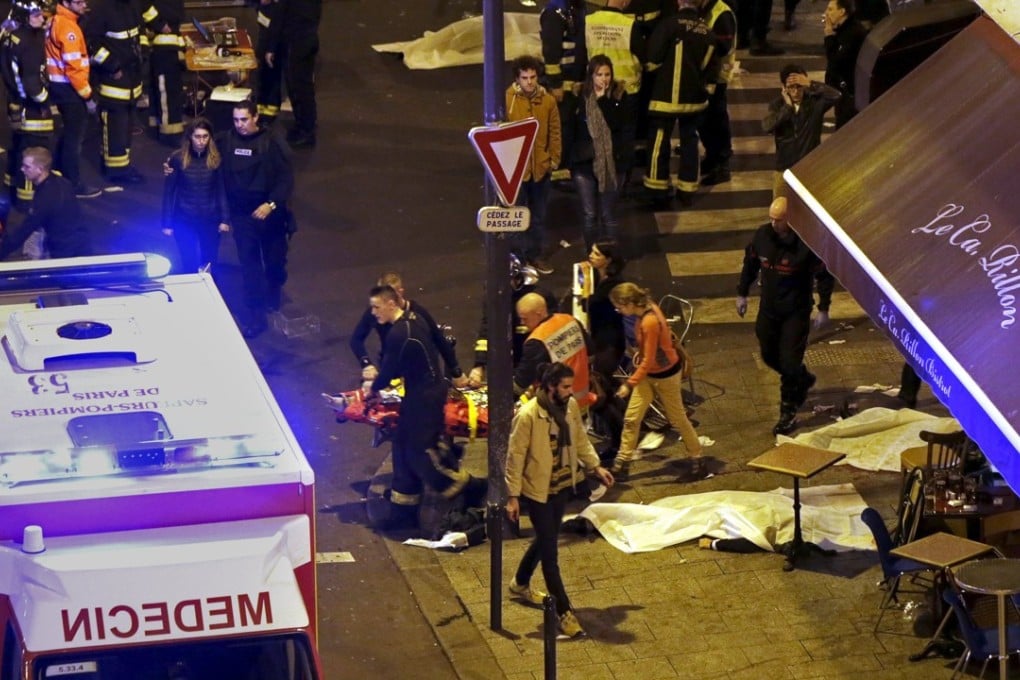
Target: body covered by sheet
column 874, row 438
column 830, row 517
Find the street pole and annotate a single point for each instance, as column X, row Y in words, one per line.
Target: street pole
column 499, row 366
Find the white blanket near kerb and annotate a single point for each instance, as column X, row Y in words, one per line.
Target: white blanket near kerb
column 830, row 517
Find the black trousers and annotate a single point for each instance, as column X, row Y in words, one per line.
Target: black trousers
column 166, row 91
column 659, row 133
column 75, row 119
column 198, row 241
column 546, row 519
column 262, row 253
column 299, row 72
column 418, row 430
column 714, row 130
column 783, row 340
column 753, row 19
column 270, row 87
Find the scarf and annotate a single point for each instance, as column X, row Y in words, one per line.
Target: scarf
column 559, row 416
column 602, row 141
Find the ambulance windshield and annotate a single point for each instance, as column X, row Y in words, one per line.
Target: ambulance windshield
column 269, row 658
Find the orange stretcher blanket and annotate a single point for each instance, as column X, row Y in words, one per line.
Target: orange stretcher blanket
column 466, row 413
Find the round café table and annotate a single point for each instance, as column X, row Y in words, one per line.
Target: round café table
column 999, row 577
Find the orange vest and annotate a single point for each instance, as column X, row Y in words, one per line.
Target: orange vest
column 563, row 338
column 67, row 58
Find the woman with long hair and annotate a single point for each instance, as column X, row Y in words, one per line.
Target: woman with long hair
column 195, row 209
column 608, row 338
column 603, row 141
column 657, row 373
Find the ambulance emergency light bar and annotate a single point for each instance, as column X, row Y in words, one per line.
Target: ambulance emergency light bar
column 137, row 459
column 84, row 272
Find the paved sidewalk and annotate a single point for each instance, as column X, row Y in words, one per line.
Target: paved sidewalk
column 692, row 613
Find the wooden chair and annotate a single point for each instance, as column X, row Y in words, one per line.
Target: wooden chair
column 943, row 451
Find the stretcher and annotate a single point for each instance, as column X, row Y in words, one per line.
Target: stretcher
column 466, row 413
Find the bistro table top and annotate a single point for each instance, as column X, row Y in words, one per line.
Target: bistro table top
column 794, row 459
column 990, row 577
column 942, row 550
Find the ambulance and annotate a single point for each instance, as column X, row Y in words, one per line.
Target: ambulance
column 156, row 511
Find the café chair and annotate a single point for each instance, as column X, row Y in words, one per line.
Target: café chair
column 910, row 509
column 982, row 642
column 893, row 568
column 679, row 313
column 943, row 451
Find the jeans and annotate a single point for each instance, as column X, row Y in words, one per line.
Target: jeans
column 535, row 197
column 546, row 519
column 595, row 205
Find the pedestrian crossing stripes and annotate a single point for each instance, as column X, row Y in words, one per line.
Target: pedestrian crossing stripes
column 704, row 245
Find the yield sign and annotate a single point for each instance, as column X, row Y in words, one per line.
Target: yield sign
column 504, row 150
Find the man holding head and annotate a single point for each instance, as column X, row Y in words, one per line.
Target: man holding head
column 788, row 271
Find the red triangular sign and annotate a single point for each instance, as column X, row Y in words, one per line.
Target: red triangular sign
column 504, row 151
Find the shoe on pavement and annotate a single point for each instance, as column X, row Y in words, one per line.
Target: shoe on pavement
column 569, row 627
column 764, row 48
column 541, row 266
column 719, row 175
column 597, row 493
column 525, row 594
column 787, row 422
column 620, row 470
column 85, row 191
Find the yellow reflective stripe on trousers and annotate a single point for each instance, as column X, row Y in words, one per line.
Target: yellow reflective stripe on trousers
column 168, row 40
column 45, row 125
column 112, row 92
column 398, row 498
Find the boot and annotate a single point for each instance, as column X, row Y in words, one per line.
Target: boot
column 789, row 22
column 787, row 419
column 717, row 175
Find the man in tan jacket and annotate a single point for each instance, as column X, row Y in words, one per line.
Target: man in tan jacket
column 549, row 454
column 525, row 98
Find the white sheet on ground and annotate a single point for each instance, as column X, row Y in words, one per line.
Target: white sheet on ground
column 460, row 43
column 874, row 438
column 830, row 517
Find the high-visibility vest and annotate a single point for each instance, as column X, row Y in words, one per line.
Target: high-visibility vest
column 729, row 62
column 609, row 33
column 67, row 57
column 563, row 338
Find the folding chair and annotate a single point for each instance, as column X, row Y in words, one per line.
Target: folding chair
column 679, row 314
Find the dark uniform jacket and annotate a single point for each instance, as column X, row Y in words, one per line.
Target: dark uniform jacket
column 23, row 64
column 841, row 50
column 256, row 171
column 368, row 323
column 112, row 30
column 788, row 271
column 681, row 57
column 55, row 209
column 798, row 131
column 409, row 353
column 561, row 28
column 294, row 20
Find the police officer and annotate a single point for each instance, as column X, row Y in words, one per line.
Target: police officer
column 293, row 45
column 259, row 179
column 67, row 65
column 112, row 32
column 789, row 270
column 166, row 71
column 23, row 64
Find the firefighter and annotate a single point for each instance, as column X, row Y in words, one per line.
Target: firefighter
column 270, row 77
column 714, row 129
column 561, row 28
column 113, row 30
column 166, row 69
column 67, row 66
column 23, row 62
column 293, row 46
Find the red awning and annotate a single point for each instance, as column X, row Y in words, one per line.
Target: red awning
column 915, row 207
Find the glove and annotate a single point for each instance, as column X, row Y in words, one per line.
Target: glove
column 741, row 306
column 821, row 320
column 92, row 106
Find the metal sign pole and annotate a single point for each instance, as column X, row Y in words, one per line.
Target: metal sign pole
column 499, row 368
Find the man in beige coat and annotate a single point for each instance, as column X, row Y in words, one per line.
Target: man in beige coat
column 525, row 98
column 549, row 455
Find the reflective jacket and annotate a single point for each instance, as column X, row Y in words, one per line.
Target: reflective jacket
column 563, row 340
column 614, row 34
column 23, row 60
column 680, row 54
column 113, row 30
column 723, row 22
column 67, row 57
column 164, row 13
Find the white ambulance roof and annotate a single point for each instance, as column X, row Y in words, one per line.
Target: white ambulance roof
column 191, row 382
column 157, row 585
